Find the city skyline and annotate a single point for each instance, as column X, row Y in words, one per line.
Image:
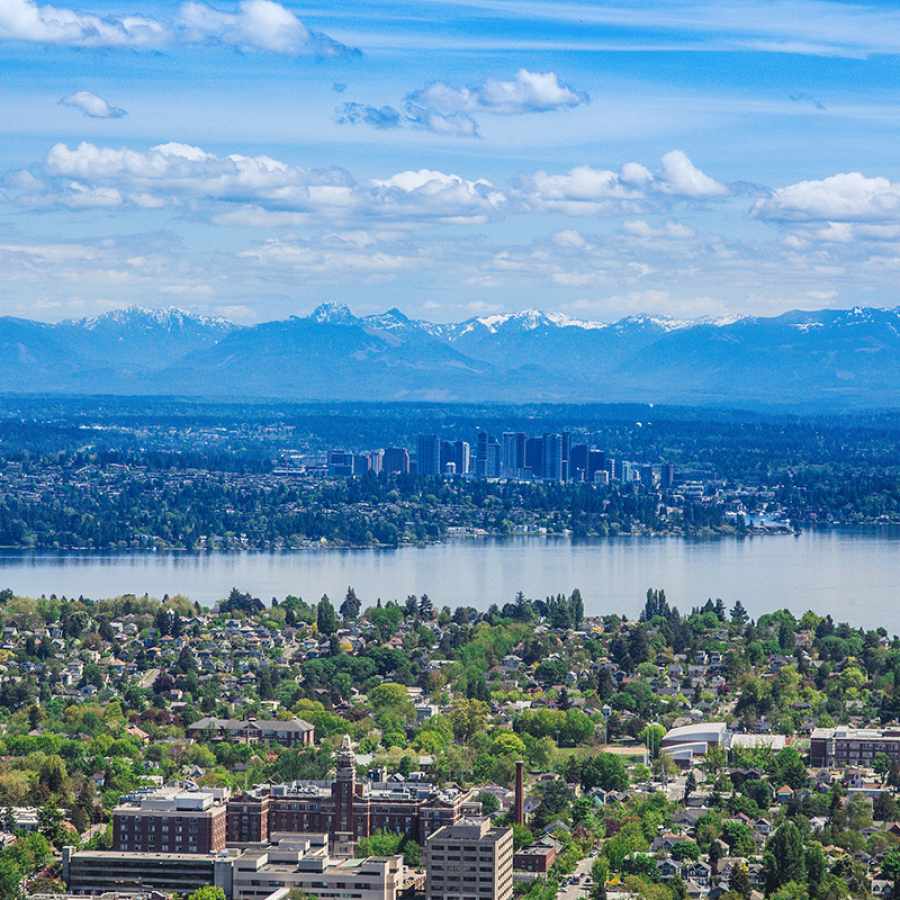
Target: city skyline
column 251, row 160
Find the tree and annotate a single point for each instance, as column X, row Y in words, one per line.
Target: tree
column 690, row 785
column 784, row 860
column 10, row 879
column 380, row 843
column 351, row 606
column 739, row 882
column 790, row 768
column 50, row 824
column 468, row 718
column 207, row 893
column 882, row 765
column 489, row 803
column 326, row 618
column 605, row 770
column 652, row 736
column 890, row 868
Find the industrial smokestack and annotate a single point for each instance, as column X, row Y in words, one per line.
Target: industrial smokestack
column 520, row 793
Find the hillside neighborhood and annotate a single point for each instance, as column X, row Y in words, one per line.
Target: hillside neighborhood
column 154, row 748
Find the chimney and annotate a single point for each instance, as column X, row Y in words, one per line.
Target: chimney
column 520, row 793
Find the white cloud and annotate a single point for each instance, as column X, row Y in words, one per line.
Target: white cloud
column 253, row 25
column 683, row 178
column 93, row 106
column 585, row 190
column 672, row 230
column 25, row 20
column 528, row 92
column 447, row 110
column 846, row 197
column 246, row 190
column 257, row 24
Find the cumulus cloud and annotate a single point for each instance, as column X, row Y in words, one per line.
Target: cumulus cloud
column 528, row 92
column 256, row 25
column 585, row 190
column 253, row 189
column 681, row 177
column 846, row 197
column 25, row 20
column 444, row 109
column 93, row 106
column 262, row 25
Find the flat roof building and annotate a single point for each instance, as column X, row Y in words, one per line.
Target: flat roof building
column 303, row 863
column 846, row 746
column 171, row 820
column 470, row 860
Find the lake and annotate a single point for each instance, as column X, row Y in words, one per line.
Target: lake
column 854, row 575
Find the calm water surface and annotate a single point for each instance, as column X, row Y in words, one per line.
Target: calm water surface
column 852, row 575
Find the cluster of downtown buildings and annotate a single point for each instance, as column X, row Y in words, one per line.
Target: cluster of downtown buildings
column 263, row 843
column 556, row 456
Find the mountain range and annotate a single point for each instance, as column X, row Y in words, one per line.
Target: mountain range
column 820, row 359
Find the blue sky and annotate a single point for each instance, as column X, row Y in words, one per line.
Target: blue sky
column 252, row 159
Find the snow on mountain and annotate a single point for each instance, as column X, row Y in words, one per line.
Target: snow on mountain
column 172, row 318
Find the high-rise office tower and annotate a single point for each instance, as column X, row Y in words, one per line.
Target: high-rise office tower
column 668, row 476
column 512, row 460
column 566, row 449
column 395, row 461
column 596, row 463
column 534, row 456
column 488, row 459
column 428, row 454
column 462, row 456
column 553, row 457
column 578, row 462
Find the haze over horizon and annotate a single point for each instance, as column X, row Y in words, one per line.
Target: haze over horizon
column 450, row 157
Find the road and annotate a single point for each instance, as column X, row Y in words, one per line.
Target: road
column 579, row 890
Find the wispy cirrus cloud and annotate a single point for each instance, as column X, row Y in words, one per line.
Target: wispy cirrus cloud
column 260, row 25
column 446, row 109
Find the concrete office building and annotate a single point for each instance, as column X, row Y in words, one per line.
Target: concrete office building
column 291, row 861
column 302, row 862
column 470, row 860
column 340, row 464
column 98, row 871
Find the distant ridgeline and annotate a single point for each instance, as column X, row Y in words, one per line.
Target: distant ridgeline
column 821, row 359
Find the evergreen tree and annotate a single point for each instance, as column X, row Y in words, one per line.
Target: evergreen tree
column 351, row 606
column 326, row 618
column 784, row 859
column 739, row 615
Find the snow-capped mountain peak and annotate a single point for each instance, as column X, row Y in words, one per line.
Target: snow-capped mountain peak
column 171, row 318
